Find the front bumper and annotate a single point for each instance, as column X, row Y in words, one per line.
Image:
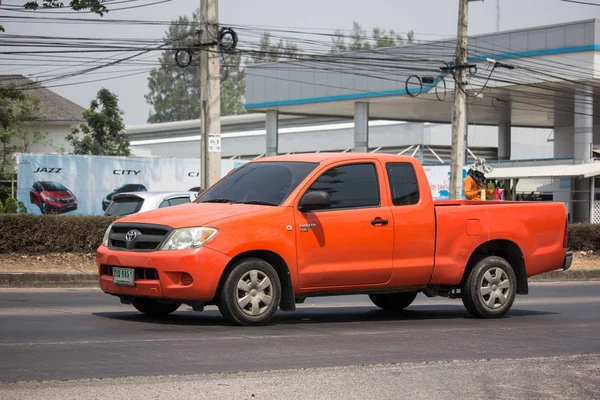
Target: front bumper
column 568, row 260
column 60, row 208
column 159, row 273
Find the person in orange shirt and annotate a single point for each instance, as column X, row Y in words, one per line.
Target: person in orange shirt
column 475, row 180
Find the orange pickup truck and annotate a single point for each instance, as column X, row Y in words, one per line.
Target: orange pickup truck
column 280, row 229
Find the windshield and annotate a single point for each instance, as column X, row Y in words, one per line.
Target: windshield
column 124, row 206
column 53, row 186
column 268, row 183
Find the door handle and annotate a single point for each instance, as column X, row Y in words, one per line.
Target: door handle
column 379, row 221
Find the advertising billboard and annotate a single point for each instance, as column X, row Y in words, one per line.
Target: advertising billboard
column 73, row 184
column 439, row 180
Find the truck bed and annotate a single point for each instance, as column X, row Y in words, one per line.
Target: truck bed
column 536, row 228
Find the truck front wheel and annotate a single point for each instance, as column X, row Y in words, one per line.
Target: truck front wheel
column 490, row 288
column 251, row 293
column 393, row 301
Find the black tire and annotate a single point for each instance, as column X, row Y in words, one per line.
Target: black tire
column 43, row 209
column 154, row 308
column 498, row 299
column 393, row 301
column 255, row 311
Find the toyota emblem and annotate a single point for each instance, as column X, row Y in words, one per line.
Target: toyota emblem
column 131, row 235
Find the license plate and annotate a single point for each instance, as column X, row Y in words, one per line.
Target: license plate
column 124, row 276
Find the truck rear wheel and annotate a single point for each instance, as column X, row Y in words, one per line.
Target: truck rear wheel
column 393, row 301
column 490, row 288
column 154, row 308
column 251, row 293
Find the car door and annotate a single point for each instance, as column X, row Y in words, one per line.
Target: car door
column 414, row 226
column 351, row 242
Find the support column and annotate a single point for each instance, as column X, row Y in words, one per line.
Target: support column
column 584, row 125
column 504, row 134
column 583, row 138
column 361, row 127
column 272, row 126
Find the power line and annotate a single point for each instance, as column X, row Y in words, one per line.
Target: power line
column 581, row 2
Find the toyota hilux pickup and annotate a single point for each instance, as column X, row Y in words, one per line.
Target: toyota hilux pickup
column 280, row 229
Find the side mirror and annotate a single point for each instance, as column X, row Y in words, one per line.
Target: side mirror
column 315, row 201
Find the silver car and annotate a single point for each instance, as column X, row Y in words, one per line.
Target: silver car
column 136, row 202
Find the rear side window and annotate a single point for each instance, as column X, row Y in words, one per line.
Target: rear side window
column 125, row 206
column 403, row 182
column 175, row 201
column 350, row 186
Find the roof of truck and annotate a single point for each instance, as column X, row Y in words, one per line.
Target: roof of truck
column 320, row 157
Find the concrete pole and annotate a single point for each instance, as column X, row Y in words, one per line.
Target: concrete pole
column 210, row 94
column 504, row 134
column 361, row 127
column 583, row 124
column 497, row 15
column 458, row 117
column 272, row 126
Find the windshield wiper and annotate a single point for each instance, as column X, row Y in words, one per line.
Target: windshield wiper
column 218, row 201
column 260, row 202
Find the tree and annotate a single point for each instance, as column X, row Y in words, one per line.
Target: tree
column 359, row 40
column 268, row 52
column 95, row 6
column 174, row 91
column 16, row 109
column 103, row 133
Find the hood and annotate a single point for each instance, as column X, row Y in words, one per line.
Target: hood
column 58, row 194
column 193, row 214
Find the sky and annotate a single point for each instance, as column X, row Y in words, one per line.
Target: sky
column 430, row 20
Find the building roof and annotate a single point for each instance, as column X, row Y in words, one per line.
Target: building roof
column 547, row 171
column 53, row 107
column 392, row 79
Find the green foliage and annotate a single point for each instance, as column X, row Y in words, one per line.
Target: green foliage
column 174, row 92
column 12, row 206
column 358, row 39
column 104, row 131
column 584, row 237
column 95, row 6
column 268, row 52
column 16, row 110
column 51, row 233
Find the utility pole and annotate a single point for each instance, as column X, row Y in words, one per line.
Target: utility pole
column 459, row 123
column 497, row 15
column 210, row 94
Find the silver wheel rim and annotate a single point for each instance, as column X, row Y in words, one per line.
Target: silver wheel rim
column 254, row 293
column 494, row 290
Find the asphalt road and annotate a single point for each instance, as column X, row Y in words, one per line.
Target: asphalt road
column 76, row 334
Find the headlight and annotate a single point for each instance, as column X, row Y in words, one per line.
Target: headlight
column 106, row 234
column 188, row 238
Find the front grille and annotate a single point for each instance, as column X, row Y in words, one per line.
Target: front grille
column 140, row 273
column 148, row 237
column 144, row 230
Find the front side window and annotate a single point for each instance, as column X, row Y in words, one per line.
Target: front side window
column 350, row 186
column 403, row 183
column 268, row 183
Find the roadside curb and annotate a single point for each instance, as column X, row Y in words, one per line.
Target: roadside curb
column 569, row 275
column 44, row 280
column 63, row 280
